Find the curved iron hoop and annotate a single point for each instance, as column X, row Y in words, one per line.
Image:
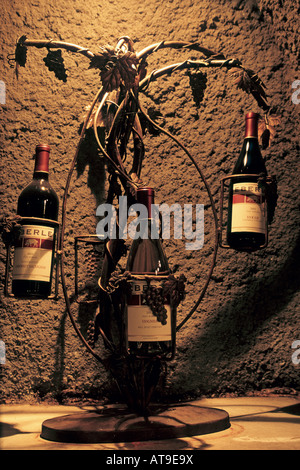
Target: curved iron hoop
column 216, row 245
column 212, row 59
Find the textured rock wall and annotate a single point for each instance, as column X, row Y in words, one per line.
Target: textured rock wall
column 240, row 338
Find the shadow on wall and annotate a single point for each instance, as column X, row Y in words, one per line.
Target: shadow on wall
column 232, row 330
column 90, row 155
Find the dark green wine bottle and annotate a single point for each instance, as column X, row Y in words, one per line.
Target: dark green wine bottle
column 151, row 317
column 35, row 248
column 247, row 217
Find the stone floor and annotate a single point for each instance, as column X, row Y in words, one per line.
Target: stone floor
column 256, row 423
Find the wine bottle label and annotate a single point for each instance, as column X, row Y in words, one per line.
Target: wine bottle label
column 33, row 253
column 248, row 208
column 142, row 324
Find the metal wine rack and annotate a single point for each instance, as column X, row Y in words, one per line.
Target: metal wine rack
column 9, row 255
column 124, row 71
column 221, row 221
column 88, row 252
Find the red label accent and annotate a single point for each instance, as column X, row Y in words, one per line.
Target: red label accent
column 31, row 242
column 47, row 244
column 238, row 198
column 134, row 300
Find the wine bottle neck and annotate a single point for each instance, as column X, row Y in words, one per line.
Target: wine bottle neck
column 41, row 160
column 251, row 129
column 40, row 175
column 145, row 196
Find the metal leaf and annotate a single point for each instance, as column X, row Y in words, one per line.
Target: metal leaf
column 21, row 52
column 115, row 68
column 267, row 129
column 20, row 55
column 55, row 63
column 248, row 81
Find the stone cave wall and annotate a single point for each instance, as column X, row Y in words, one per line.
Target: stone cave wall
column 240, row 338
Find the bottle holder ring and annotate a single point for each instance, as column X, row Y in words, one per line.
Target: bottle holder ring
column 222, row 224
column 10, row 249
column 89, row 255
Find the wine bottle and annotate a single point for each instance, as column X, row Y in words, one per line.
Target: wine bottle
column 35, row 247
column 247, row 218
column 151, row 317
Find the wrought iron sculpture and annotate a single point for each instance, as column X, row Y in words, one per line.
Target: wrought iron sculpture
column 124, row 75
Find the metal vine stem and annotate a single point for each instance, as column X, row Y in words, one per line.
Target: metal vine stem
column 107, row 60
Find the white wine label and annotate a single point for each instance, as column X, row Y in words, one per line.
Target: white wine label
column 248, row 208
column 142, row 324
column 33, row 253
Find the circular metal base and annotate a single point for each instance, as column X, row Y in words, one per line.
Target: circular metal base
column 115, row 423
